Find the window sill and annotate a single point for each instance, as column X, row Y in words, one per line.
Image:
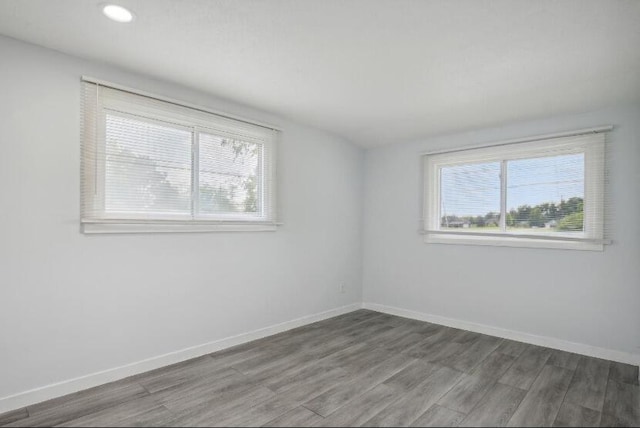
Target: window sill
column 513, row 242
column 91, row 228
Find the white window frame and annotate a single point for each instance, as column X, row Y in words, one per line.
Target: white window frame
column 591, row 145
column 183, row 116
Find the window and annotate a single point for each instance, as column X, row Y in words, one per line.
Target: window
column 545, row 193
column 153, row 165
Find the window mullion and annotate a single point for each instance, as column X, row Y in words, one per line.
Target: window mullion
column 195, row 174
column 503, row 195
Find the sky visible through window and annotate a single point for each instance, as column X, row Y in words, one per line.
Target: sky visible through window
column 474, row 189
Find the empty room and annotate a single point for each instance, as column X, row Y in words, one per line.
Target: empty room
column 319, row 213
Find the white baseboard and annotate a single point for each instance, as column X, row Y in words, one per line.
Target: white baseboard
column 549, row 342
column 59, row 389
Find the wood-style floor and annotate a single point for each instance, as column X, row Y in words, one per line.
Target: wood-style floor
column 361, row 369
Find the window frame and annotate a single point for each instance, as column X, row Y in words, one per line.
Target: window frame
column 182, row 116
column 592, row 146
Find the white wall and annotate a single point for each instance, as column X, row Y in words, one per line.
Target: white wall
column 72, row 305
column 589, row 298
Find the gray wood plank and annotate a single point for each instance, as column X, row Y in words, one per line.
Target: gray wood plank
column 512, row 348
column 13, row 416
column 464, row 396
column 542, row 403
column 396, row 333
column 434, row 342
column 424, row 328
column 298, row 417
column 468, row 337
column 347, row 326
column 262, row 361
column 474, row 354
column 192, row 394
column 142, row 410
column 566, row 360
column 309, row 388
column 341, row 394
column 573, row 415
column 279, row 377
column 622, row 401
column 157, row 417
column 496, row 407
column 438, row 416
column 178, row 374
column 273, row 372
column 365, row 361
column 315, row 338
column 340, row 322
column 366, row 331
column 267, row 366
column 245, row 351
column 305, row 338
column 526, row 367
column 400, row 343
column 625, row 373
column 443, row 352
column 258, row 415
column 77, row 405
column 362, row 408
column 393, row 320
column 354, row 317
column 348, row 354
column 589, row 384
column 318, row 343
column 609, row 421
column 219, row 406
column 296, row 376
column 327, row 347
column 311, row 333
column 279, row 367
column 412, row 375
column 494, row 366
column 410, row 406
column 323, row 345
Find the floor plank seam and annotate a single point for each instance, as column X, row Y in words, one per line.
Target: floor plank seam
column 555, row 420
column 312, row 411
column 145, row 388
column 606, row 388
column 475, row 405
column 604, row 399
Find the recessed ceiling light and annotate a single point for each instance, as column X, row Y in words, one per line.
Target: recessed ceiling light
column 117, row 13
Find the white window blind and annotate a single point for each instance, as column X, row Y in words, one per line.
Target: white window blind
column 545, row 193
column 154, row 165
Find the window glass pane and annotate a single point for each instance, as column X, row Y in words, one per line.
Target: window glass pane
column 230, row 180
column 147, row 168
column 470, row 197
column 546, row 194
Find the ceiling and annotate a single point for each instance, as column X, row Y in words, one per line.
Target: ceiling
column 373, row 71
